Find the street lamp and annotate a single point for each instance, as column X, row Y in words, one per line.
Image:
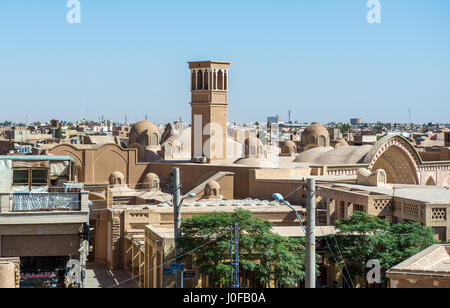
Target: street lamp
column 279, row 197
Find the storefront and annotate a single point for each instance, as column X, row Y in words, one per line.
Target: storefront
column 43, row 272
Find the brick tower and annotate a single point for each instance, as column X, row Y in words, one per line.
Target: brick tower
column 209, row 103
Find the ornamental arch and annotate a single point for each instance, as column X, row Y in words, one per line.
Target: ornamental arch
column 396, row 156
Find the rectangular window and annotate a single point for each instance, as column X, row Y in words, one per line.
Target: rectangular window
column 20, row 177
column 39, row 177
column 33, row 177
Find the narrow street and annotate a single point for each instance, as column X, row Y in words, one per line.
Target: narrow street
column 99, row 276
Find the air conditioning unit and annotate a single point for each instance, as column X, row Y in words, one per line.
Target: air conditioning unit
column 200, row 159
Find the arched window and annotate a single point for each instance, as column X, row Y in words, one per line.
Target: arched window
column 207, row 191
column 312, row 140
column 225, row 80
column 193, row 83
column 206, row 83
column 322, row 141
column 214, row 80
column 169, row 150
column 119, row 181
column 200, row 80
column 155, row 184
column 214, row 192
column 144, row 140
column 154, row 140
column 220, row 80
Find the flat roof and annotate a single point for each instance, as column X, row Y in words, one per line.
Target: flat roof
column 37, row 157
column 294, row 231
column 427, row 194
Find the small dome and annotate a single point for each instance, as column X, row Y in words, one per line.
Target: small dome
column 317, row 135
column 144, row 126
column 316, row 129
column 151, row 181
column 117, row 178
column 342, row 143
column 212, row 189
column 289, row 147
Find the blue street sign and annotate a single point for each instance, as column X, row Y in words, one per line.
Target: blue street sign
column 177, row 267
column 168, row 272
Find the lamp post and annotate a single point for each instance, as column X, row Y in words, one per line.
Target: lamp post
column 310, row 280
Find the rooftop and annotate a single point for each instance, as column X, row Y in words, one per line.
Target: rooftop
column 427, row 194
column 434, row 260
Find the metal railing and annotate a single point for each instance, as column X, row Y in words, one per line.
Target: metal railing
column 33, row 202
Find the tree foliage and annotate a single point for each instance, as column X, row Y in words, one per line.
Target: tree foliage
column 364, row 237
column 269, row 256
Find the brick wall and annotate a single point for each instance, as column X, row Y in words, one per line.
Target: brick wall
column 419, row 282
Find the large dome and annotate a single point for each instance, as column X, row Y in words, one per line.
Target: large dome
column 144, row 126
column 316, row 129
column 347, row 155
column 145, row 133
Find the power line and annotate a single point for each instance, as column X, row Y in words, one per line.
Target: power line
column 338, row 247
column 334, row 257
column 167, row 262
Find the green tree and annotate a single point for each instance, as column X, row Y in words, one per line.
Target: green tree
column 364, row 237
column 269, row 256
column 59, row 134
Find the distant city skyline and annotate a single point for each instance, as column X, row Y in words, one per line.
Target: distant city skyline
column 319, row 59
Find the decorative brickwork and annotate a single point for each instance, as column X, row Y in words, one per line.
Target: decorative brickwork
column 411, row 209
column 381, row 204
column 439, row 214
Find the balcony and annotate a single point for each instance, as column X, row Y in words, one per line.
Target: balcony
column 43, row 208
column 34, row 202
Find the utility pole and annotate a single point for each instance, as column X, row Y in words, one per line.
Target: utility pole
column 310, row 234
column 234, row 255
column 176, row 187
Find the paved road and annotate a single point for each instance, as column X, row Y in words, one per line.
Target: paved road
column 98, row 276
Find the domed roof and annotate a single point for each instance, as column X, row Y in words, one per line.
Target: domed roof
column 151, row 177
column 213, row 185
column 288, row 147
column 117, row 174
column 212, row 190
column 149, row 181
column 117, row 178
column 289, row 143
column 317, row 130
column 342, row 143
column 144, row 126
column 338, row 156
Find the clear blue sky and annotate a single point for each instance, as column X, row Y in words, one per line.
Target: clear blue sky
column 319, row 58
